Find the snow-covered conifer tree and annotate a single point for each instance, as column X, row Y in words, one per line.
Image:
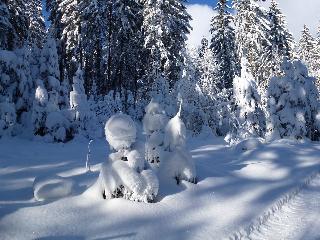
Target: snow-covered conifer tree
column 307, row 51
column 36, row 28
column 154, row 122
column 165, row 26
column 281, row 44
column 7, row 118
column 19, row 22
column 250, row 118
column 6, row 27
column 293, row 105
column 207, row 66
column 84, row 119
column 39, row 114
column 251, row 23
column 124, row 174
column 223, row 45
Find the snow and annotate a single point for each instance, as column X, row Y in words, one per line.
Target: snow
column 175, row 133
column 234, row 188
column 297, row 219
column 120, row 131
column 52, row 188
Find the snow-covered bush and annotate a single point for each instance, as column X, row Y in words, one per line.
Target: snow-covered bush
column 293, row 104
column 249, row 115
column 190, row 94
column 124, row 174
column 15, row 83
column 7, row 118
column 177, row 163
column 154, row 123
column 165, row 144
column 84, row 121
column 175, row 133
column 47, row 118
column 220, row 112
column 39, row 108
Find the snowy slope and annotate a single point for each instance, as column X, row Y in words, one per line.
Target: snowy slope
column 235, row 188
column 298, row 219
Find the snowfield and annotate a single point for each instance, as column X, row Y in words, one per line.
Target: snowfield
column 240, row 194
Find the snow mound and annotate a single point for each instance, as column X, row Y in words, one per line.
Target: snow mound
column 120, row 131
column 175, row 134
column 248, row 144
column 49, row 188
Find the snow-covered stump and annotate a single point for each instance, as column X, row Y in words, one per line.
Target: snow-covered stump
column 124, row 174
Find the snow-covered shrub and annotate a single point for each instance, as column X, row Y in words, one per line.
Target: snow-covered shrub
column 124, row 174
column 175, row 133
column 16, row 85
column 154, row 123
column 249, row 115
column 220, row 112
column 118, row 180
column 47, row 118
column 39, row 108
column 177, row 163
column 190, row 94
column 84, row 121
column 293, row 104
column 7, row 118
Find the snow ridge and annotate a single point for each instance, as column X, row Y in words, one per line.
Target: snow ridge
column 245, row 232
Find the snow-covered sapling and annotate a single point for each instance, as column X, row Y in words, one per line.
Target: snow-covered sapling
column 124, row 174
column 250, row 120
column 7, row 117
column 293, row 104
column 88, row 159
column 178, row 163
column 154, row 123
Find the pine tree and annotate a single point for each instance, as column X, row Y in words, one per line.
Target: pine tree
column 208, row 68
column 6, row 27
column 71, row 35
column 127, row 44
column 165, row 26
column 293, row 105
column 19, row 21
column 249, row 115
column 84, row 121
column 318, row 58
column 36, row 28
column 251, row 34
column 223, row 45
column 307, row 51
column 281, row 44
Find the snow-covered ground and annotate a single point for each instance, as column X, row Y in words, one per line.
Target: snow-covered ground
column 238, row 193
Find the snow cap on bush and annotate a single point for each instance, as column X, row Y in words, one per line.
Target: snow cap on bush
column 120, row 131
